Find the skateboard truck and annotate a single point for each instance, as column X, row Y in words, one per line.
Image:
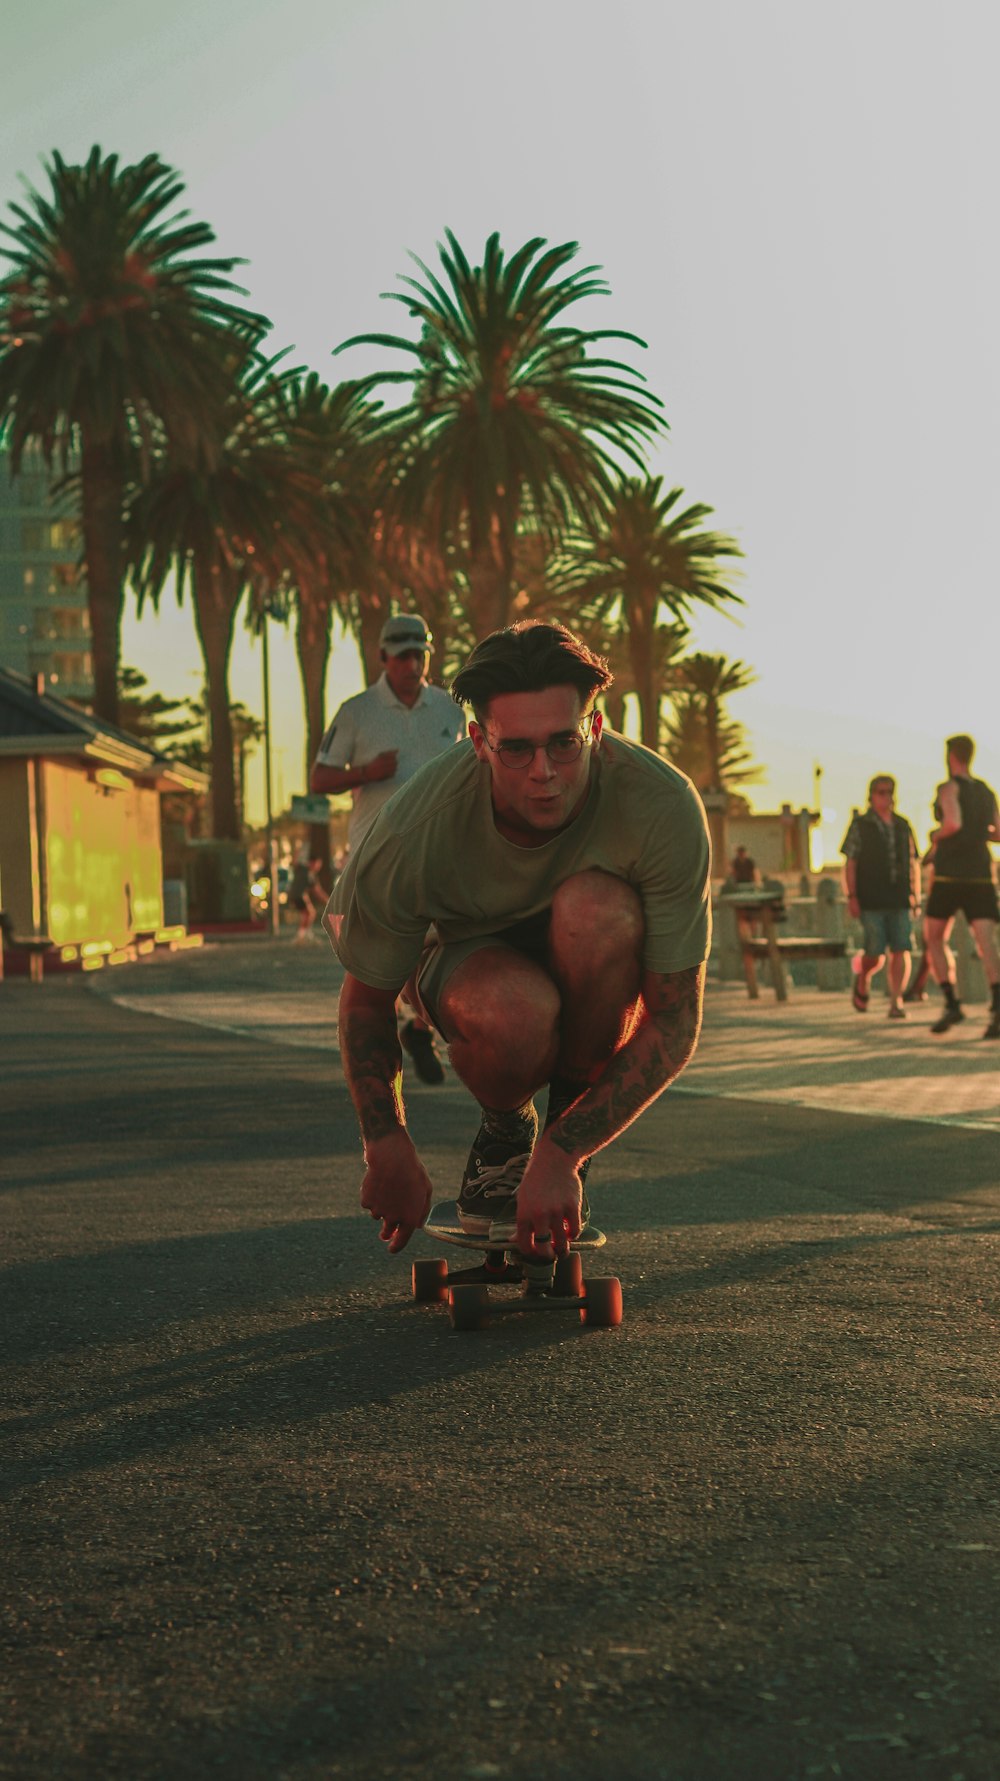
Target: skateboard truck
column 553, row 1283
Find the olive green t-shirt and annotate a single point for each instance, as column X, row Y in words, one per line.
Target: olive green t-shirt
column 435, row 856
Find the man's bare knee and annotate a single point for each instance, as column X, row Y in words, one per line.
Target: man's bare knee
column 598, row 912
column 502, row 1000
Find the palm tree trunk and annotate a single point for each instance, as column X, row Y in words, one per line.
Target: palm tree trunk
column 217, row 593
column 641, row 618
column 103, row 496
column 372, row 608
column 712, row 743
column 489, row 597
column 491, row 583
column 312, row 647
column 614, row 705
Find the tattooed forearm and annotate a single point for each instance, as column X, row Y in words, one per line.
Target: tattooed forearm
column 655, row 1054
column 372, row 1060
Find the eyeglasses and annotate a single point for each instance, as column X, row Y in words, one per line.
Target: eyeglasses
column 561, row 749
column 883, row 791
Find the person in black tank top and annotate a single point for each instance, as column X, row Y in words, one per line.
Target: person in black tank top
column 968, row 819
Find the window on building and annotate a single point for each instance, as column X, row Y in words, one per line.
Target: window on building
column 59, row 534
column 71, row 672
column 63, row 534
column 62, row 622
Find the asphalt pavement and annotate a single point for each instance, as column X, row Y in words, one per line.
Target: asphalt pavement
column 265, row 1516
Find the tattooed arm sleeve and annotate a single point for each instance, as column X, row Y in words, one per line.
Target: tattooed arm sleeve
column 371, row 1056
column 657, row 1051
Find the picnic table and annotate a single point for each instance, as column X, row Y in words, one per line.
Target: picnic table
column 758, row 910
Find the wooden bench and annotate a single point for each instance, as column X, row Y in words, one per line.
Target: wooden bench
column 775, row 950
column 36, row 946
column 758, row 910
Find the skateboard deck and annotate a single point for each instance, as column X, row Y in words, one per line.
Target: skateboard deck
column 444, row 1224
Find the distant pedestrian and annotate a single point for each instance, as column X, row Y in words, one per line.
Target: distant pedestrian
column 882, row 881
column 742, row 869
column 376, row 742
column 305, row 893
column 968, row 820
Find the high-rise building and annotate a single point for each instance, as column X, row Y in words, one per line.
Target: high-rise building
column 44, row 621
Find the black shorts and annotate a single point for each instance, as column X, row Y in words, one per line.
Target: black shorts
column 975, row 897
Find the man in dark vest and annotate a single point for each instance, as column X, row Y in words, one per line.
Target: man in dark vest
column 968, row 820
column 882, row 880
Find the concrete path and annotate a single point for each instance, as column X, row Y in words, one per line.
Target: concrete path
column 812, row 1051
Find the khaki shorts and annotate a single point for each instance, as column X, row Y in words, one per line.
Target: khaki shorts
column 441, row 958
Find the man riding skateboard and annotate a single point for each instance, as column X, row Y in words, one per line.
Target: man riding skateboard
column 543, row 894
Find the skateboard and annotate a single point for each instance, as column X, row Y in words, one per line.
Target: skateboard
column 556, row 1284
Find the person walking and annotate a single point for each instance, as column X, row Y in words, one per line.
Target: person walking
column 304, row 893
column 968, row 820
column 742, row 869
column 882, row 882
column 545, row 894
column 377, row 741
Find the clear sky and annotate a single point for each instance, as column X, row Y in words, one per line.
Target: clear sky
column 795, row 206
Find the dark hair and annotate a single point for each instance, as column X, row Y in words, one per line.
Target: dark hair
column 527, row 658
column 881, row 779
column 962, row 747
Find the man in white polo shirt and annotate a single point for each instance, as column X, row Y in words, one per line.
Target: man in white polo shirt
column 376, row 742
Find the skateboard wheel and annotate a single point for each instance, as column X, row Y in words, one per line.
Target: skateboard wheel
column 567, row 1281
column 602, row 1306
column 430, row 1281
column 468, row 1307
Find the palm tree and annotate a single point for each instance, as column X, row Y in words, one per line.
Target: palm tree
column 234, row 529
column 331, row 430
column 703, row 682
column 110, row 332
column 507, row 414
column 685, row 742
column 645, row 553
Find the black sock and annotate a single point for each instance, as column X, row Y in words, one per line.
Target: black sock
column 563, row 1091
column 513, row 1124
column 948, row 991
column 995, row 998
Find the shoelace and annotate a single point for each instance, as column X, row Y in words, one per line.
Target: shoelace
column 501, row 1178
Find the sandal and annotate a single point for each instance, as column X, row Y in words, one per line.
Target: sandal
column 860, row 1001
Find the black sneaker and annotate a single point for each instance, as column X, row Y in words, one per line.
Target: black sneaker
column 993, row 1025
column 492, row 1177
column 950, row 1018
column 503, row 1227
column 418, row 1043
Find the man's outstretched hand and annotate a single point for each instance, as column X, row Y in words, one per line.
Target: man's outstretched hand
column 549, row 1201
column 396, row 1188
